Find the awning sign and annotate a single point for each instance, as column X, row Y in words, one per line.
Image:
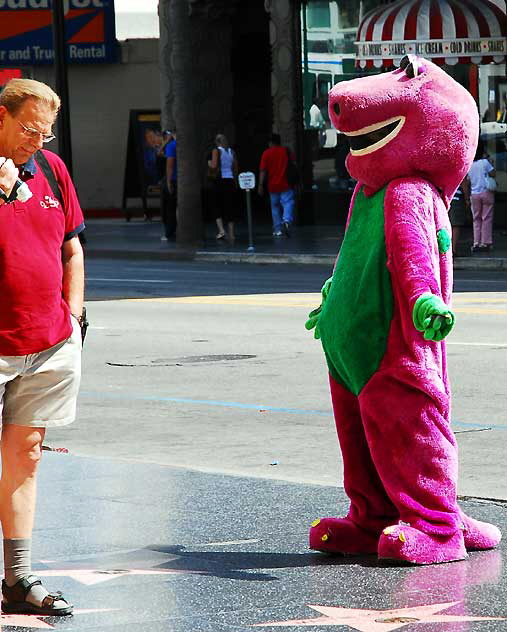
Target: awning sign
column 495, row 46
column 26, row 32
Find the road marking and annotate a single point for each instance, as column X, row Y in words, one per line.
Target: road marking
column 478, row 310
column 289, row 300
column 110, row 280
column 478, row 299
column 262, row 300
column 477, row 344
column 230, row 542
column 261, row 408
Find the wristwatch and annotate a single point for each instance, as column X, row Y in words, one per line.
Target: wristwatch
column 3, row 195
column 79, row 319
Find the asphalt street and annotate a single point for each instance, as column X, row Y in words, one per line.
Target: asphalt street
column 208, row 367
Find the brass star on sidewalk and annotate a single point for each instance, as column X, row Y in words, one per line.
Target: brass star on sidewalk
column 380, row 620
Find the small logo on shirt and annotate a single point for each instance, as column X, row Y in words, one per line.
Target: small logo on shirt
column 49, row 202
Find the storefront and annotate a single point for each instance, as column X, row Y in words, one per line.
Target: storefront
column 343, row 40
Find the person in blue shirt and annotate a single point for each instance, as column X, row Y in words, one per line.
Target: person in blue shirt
column 169, row 188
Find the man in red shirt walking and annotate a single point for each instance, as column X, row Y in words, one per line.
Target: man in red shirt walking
column 274, row 162
column 42, row 286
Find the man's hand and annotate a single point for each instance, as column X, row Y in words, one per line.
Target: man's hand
column 8, row 174
column 314, row 315
column 432, row 316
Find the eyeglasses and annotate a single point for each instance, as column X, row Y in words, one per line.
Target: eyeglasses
column 33, row 134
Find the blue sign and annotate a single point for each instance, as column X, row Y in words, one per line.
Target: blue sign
column 26, row 32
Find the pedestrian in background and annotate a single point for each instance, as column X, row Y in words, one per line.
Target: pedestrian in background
column 482, row 186
column 273, row 168
column 42, row 284
column 223, row 166
column 169, row 188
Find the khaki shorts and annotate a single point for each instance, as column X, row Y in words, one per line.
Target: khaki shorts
column 40, row 389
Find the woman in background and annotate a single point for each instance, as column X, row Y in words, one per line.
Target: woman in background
column 483, row 200
column 224, row 162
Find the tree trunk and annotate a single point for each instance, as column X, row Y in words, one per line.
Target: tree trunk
column 189, row 233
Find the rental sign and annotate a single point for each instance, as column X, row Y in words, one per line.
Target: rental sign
column 26, row 32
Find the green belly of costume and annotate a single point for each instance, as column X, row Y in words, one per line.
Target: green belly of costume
column 356, row 317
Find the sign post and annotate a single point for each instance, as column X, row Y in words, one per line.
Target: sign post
column 247, row 183
column 62, row 85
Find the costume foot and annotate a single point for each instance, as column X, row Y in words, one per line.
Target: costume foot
column 341, row 535
column 402, row 544
column 478, row 535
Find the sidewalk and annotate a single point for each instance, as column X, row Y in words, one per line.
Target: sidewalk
column 117, row 238
column 144, row 547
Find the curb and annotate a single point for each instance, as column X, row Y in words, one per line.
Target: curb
column 208, row 256
column 461, row 263
column 480, row 263
column 265, row 258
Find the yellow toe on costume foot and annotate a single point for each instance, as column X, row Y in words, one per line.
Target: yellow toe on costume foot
column 325, row 537
column 316, row 522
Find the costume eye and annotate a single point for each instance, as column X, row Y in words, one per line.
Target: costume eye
column 404, row 62
column 410, row 64
column 336, row 108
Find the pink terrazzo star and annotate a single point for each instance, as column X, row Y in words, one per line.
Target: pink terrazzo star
column 33, row 621
column 90, row 576
column 379, row 620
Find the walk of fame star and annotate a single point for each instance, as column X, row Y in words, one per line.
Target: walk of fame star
column 380, row 620
column 90, row 576
column 33, row 621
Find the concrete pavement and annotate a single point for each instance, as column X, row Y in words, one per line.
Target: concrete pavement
column 117, row 238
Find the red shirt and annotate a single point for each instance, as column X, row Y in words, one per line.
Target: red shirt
column 33, row 314
column 274, row 160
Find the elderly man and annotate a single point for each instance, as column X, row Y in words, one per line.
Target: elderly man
column 42, row 283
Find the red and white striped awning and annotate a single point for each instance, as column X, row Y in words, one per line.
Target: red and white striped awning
column 445, row 31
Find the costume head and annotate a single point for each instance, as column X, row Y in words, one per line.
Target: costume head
column 415, row 121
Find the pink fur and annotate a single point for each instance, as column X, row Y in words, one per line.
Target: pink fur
column 439, row 137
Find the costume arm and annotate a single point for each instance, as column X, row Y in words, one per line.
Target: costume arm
column 313, row 316
column 413, row 256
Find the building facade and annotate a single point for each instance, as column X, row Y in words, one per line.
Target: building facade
column 248, row 68
column 343, row 40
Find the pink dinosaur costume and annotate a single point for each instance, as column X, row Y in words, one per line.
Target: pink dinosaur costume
column 385, row 313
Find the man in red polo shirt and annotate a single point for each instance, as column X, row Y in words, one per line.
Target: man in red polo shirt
column 273, row 167
column 42, row 285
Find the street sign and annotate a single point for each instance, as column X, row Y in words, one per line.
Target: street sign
column 26, row 32
column 246, row 180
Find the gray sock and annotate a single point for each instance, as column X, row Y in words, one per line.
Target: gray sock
column 17, row 564
column 17, row 559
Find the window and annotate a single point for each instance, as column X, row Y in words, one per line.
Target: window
column 318, row 14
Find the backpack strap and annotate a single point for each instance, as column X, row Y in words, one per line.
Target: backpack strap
column 47, row 170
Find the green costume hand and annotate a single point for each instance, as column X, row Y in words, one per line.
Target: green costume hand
column 313, row 316
column 432, row 316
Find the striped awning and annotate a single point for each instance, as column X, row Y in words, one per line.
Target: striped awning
column 445, row 31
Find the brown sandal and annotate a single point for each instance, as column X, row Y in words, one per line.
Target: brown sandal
column 14, row 600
